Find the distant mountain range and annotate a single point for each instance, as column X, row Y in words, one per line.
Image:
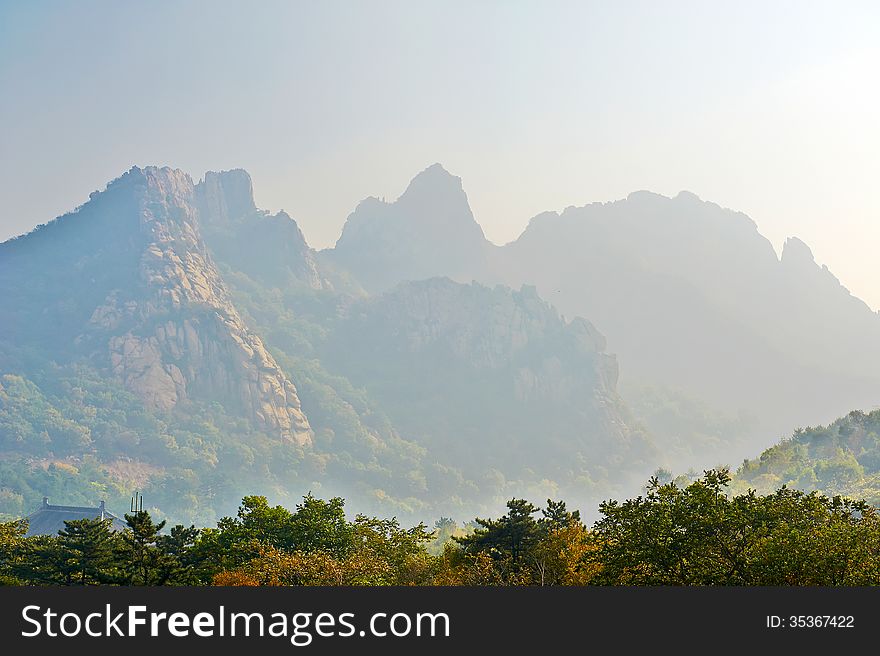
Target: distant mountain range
column 171, row 336
column 691, row 297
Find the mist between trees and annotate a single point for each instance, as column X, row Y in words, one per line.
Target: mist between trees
column 675, row 533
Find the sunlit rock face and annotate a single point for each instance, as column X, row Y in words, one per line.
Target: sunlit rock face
column 161, row 318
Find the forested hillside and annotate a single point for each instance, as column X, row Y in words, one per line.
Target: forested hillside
column 840, row 458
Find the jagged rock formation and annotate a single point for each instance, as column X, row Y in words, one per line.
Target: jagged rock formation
column 269, row 247
column 165, row 325
column 489, row 328
column 226, row 195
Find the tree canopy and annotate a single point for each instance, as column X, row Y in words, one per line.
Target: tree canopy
column 676, row 533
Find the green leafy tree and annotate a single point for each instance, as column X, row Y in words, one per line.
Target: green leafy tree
column 42, row 561
column 239, row 539
column 319, row 525
column 401, row 551
column 522, row 550
column 698, row 535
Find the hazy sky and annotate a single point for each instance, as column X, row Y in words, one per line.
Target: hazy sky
column 770, row 108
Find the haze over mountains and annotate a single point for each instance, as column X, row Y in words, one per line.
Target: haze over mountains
column 133, row 355
column 690, row 295
column 172, row 336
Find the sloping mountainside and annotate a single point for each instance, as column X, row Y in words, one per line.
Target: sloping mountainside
column 840, row 458
column 126, row 365
column 139, row 295
column 492, row 377
column 693, row 300
column 171, row 337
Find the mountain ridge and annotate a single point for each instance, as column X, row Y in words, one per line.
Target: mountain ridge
column 682, row 288
column 173, row 333
column 137, row 329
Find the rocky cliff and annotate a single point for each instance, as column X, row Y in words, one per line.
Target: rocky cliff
column 160, row 318
column 269, row 247
column 182, row 336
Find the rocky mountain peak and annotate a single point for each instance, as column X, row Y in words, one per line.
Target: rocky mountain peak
column 435, row 196
column 645, row 196
column 434, row 181
column 226, row 195
column 428, row 231
column 176, row 335
column 288, row 229
column 158, row 180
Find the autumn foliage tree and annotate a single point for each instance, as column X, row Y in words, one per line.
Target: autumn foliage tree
column 324, row 551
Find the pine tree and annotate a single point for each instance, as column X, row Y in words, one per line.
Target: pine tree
column 87, row 546
column 180, row 564
column 508, row 540
column 142, row 562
